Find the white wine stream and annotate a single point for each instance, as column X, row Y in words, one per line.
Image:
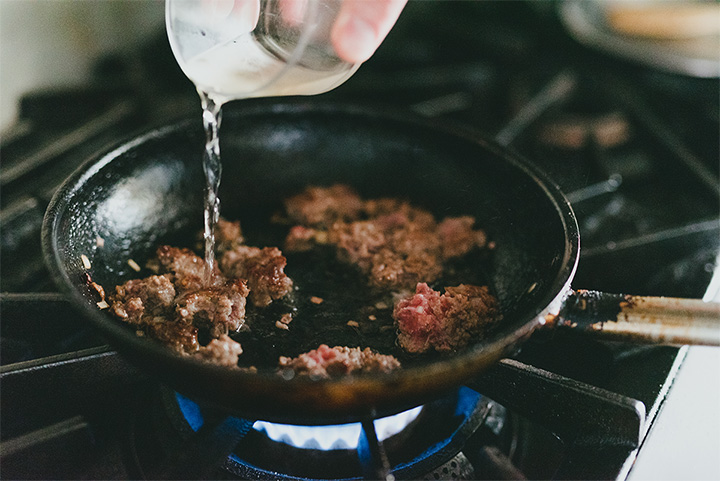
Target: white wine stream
column 212, row 115
column 240, row 69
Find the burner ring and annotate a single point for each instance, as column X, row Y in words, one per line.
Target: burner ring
column 176, row 429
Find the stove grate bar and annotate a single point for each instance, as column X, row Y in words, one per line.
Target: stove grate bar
column 41, row 158
column 633, row 99
column 43, row 435
column 578, row 413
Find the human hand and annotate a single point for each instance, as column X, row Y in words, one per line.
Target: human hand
column 361, row 27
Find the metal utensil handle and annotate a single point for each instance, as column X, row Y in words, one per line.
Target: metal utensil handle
column 656, row 320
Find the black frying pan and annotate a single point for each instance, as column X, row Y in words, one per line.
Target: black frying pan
column 149, row 191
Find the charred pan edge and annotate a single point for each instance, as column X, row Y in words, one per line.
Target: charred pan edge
column 589, row 310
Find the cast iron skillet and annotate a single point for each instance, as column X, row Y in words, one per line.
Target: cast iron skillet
column 149, row 191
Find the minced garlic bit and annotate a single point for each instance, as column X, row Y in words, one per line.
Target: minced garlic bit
column 85, row 261
column 321, row 237
column 134, row 265
column 103, row 305
column 99, row 241
column 286, row 318
column 381, row 305
column 317, row 300
column 372, row 317
column 353, row 324
column 98, row 290
column 281, row 325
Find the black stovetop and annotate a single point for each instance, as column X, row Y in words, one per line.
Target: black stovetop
column 636, row 151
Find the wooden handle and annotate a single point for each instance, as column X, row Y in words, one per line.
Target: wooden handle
column 656, row 320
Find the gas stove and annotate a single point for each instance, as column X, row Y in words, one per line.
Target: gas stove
column 635, row 150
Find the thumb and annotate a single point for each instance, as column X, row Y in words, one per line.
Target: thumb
column 361, row 27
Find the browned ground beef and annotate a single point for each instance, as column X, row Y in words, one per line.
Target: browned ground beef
column 395, row 244
column 223, row 350
column 227, row 235
column 155, row 308
column 184, row 268
column 327, row 362
column 140, row 300
column 318, row 206
column 429, row 320
column 357, row 242
column 301, row 238
column 263, row 269
column 180, row 336
column 393, row 271
column 457, row 236
column 220, row 309
column 174, row 305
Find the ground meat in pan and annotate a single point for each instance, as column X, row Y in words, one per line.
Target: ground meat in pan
column 227, row 235
column 149, row 305
column 319, row 206
column 262, row 268
column 394, row 250
column 220, row 309
column 139, row 299
column 457, row 236
column 326, row 362
column 396, row 245
column 357, row 242
column 301, row 238
column 223, row 351
column 429, row 320
column 174, row 306
column 394, row 213
column 186, row 270
column 392, row 271
column 180, row 336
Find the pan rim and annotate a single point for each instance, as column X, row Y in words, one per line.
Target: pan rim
column 473, row 358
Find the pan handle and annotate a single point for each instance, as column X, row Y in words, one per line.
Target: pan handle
column 642, row 319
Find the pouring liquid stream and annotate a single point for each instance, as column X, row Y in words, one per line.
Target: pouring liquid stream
column 212, row 115
column 239, row 69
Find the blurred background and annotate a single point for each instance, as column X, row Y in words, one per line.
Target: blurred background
column 55, row 43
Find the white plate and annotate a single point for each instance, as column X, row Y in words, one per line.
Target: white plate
column 587, row 21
